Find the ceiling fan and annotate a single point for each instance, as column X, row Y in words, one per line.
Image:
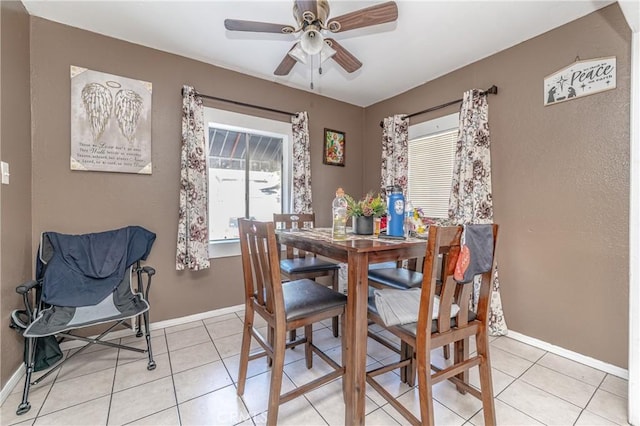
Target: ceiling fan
column 312, row 17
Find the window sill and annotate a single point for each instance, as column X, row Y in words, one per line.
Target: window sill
column 220, row 249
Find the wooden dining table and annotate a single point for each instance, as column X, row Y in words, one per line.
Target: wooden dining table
column 358, row 252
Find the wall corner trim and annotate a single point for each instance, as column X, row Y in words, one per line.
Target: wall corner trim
column 11, row 383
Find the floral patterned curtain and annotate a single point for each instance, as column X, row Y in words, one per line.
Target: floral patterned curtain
column 301, row 164
column 193, row 221
column 471, row 200
column 395, row 148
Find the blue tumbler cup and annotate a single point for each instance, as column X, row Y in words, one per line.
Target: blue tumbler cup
column 395, row 213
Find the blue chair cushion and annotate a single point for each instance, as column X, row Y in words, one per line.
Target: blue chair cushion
column 399, row 278
column 306, row 264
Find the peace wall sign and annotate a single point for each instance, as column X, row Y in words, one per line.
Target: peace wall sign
column 581, row 78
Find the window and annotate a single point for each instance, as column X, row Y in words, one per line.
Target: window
column 249, row 174
column 432, row 146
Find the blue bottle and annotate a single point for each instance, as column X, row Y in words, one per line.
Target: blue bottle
column 395, row 213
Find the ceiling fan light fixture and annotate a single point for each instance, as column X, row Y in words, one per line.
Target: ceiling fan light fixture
column 326, row 53
column 312, row 41
column 298, row 54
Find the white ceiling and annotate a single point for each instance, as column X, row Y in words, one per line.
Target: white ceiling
column 429, row 39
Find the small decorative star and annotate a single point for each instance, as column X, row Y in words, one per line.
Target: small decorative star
column 561, row 81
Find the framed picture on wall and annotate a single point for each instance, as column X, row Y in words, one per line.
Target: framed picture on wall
column 334, row 147
column 110, row 122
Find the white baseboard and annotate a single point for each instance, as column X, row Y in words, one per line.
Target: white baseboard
column 196, row 317
column 14, row 380
column 573, row 356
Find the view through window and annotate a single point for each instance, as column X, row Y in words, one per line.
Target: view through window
column 245, row 177
column 249, row 167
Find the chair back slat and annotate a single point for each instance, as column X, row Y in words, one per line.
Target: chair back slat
column 261, row 265
column 446, row 296
column 294, row 221
column 261, row 268
column 463, row 299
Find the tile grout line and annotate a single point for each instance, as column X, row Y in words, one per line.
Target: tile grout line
column 559, row 397
column 520, row 377
column 291, row 380
column 591, row 398
column 171, row 374
column 55, row 379
column 515, row 380
column 381, row 408
column 284, row 373
column 113, row 384
column 233, row 384
column 572, row 377
column 173, row 382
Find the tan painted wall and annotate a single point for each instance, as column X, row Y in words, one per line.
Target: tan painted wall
column 78, row 202
column 15, row 211
column 560, row 183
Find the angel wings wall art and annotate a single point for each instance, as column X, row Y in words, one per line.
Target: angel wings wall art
column 110, row 122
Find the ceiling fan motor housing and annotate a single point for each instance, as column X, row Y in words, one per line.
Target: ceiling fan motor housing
column 305, row 13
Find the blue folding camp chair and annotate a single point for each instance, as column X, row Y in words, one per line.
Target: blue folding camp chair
column 83, row 280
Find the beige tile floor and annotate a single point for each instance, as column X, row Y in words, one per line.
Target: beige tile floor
column 195, row 384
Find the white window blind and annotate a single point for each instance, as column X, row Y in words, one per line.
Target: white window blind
column 430, row 172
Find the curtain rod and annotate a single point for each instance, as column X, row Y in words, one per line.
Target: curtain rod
column 243, row 104
column 493, row 90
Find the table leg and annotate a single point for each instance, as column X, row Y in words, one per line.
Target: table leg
column 356, row 352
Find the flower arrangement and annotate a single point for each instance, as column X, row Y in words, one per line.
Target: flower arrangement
column 370, row 205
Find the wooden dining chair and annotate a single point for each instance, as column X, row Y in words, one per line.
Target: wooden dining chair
column 431, row 331
column 301, row 264
column 284, row 307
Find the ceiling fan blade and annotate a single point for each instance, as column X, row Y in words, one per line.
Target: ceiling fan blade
column 286, row 65
column 374, row 15
column 343, row 57
column 261, row 27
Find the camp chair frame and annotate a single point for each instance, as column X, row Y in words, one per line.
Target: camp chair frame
column 31, row 293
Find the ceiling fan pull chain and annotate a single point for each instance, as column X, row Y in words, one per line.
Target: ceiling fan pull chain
column 311, row 69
